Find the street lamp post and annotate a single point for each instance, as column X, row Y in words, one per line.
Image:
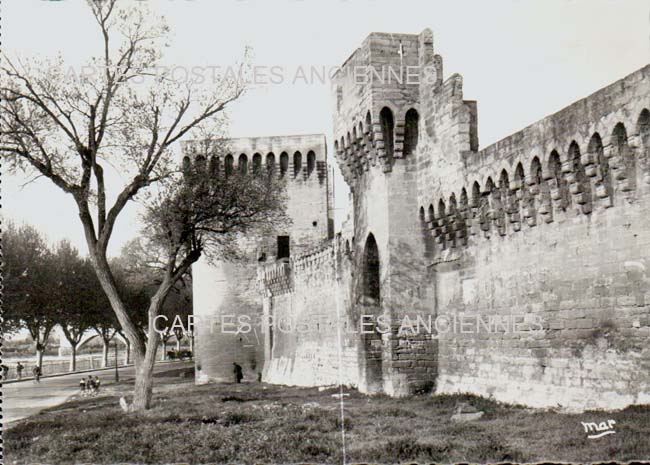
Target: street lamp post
column 117, row 374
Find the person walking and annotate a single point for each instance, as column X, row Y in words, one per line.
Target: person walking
column 90, row 385
column 19, row 369
column 82, row 387
column 37, row 373
column 97, row 383
column 238, row 372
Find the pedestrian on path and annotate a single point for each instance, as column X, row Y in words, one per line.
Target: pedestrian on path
column 238, row 372
column 37, row 374
column 97, row 384
column 19, row 369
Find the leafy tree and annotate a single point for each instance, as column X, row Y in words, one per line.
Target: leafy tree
column 205, row 214
column 105, row 325
column 144, row 275
column 184, row 310
column 28, row 278
column 75, row 296
column 70, row 130
column 177, row 308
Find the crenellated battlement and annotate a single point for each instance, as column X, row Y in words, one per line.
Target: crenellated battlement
column 377, row 94
column 298, row 158
column 588, row 157
column 389, row 90
column 275, row 278
column 280, row 277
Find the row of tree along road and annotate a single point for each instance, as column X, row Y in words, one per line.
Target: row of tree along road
column 46, row 288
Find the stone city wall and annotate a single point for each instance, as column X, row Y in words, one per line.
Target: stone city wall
column 552, row 225
column 312, row 340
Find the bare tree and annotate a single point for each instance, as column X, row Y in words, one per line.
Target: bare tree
column 126, row 116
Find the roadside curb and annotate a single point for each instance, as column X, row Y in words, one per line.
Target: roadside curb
column 56, row 375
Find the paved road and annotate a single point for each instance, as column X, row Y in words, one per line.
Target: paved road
column 25, row 398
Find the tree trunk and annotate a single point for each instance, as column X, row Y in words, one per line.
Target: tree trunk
column 107, row 282
column 73, row 357
column 143, row 391
column 163, row 356
column 105, row 353
column 178, row 345
column 192, row 344
column 144, row 348
column 39, row 355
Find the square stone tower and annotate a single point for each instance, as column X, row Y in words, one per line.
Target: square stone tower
column 380, row 93
column 226, row 292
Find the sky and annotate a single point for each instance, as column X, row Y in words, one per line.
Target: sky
column 521, row 60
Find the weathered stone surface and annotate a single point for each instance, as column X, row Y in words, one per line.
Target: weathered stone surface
column 224, row 291
column 534, row 252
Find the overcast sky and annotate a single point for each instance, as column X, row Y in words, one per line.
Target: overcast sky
column 521, row 60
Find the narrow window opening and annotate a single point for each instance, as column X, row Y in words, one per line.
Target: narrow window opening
column 257, row 163
column 229, row 165
column 284, row 163
column 388, row 129
column 283, row 247
column 243, row 163
column 411, row 131
column 371, row 270
column 311, row 162
column 297, row 163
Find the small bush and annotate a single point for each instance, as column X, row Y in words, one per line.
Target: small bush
column 236, row 418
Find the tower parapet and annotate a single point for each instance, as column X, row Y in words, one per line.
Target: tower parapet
column 373, row 91
column 301, row 160
column 383, row 90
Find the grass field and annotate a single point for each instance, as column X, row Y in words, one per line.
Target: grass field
column 250, row 423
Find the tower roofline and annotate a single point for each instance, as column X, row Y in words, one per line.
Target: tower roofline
column 260, row 144
column 245, row 138
column 379, row 34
